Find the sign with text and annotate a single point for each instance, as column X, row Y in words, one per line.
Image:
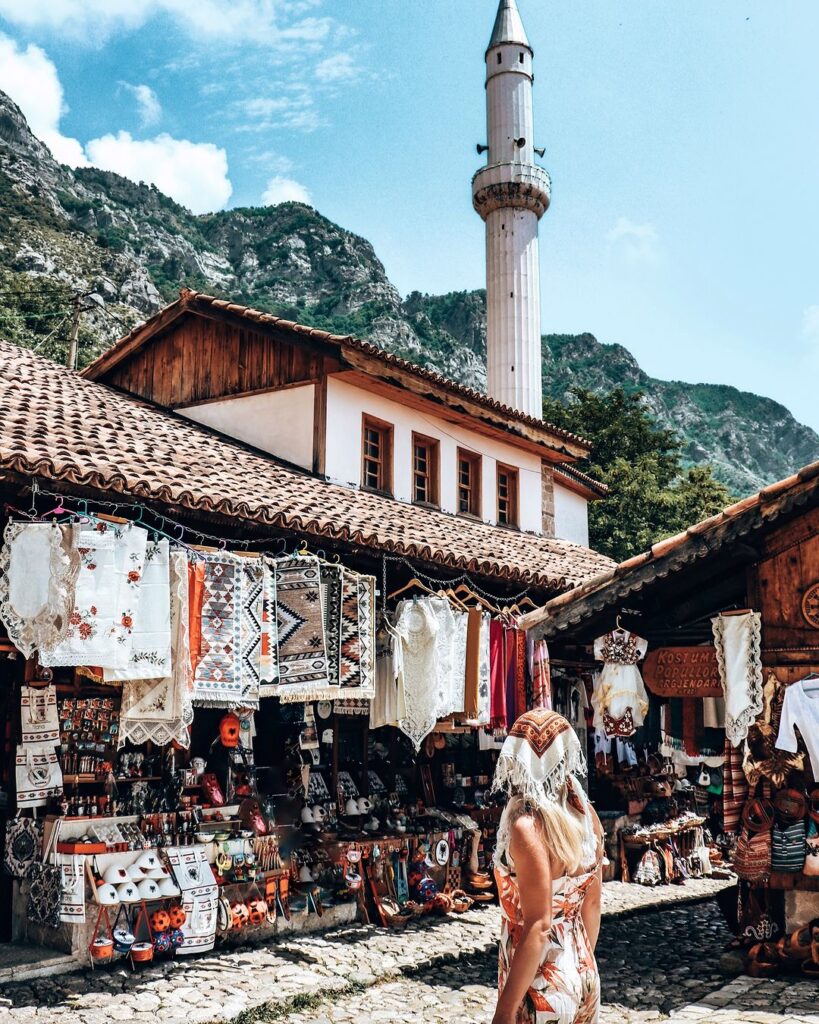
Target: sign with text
column 683, row 672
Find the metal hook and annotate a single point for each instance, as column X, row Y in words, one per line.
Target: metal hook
column 222, row 544
column 181, row 532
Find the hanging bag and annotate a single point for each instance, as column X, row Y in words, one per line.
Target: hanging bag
column 752, row 859
column 38, row 776
column 24, row 840
column 788, row 847
column 38, row 715
column 45, row 894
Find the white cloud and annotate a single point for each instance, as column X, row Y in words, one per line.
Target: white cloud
column 249, row 21
column 285, row 190
column 293, row 110
column 31, row 79
column 638, row 243
column 148, row 105
column 810, row 324
column 193, row 173
column 339, row 68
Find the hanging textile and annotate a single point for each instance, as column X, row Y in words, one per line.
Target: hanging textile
column 737, row 639
column 388, row 707
column 151, row 632
column 445, row 653
column 39, row 564
column 734, row 790
column 332, row 593
column 497, row 675
column 357, row 698
column 350, row 661
column 417, row 626
column 269, row 657
column 541, row 675
column 510, row 660
column 39, row 720
column 250, row 629
column 458, row 685
column 160, row 710
column 303, row 669
column 472, row 663
column 218, row 678
column 484, row 674
column 106, row 598
column 518, row 638
column 196, row 596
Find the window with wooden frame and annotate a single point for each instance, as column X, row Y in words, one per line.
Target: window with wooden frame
column 469, row 483
column 425, row 471
column 507, row 491
column 376, row 455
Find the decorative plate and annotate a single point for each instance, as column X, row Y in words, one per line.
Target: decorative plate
column 810, row 605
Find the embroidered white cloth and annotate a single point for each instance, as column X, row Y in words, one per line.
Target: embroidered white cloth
column 151, row 633
column 38, row 572
column 161, row 710
column 417, row 626
column 445, row 654
column 388, row 707
column 737, row 639
column 106, row 598
column 458, row 678
column 800, row 708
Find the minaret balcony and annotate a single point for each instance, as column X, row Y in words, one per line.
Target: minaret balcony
column 511, row 184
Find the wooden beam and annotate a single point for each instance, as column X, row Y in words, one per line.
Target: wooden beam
column 150, row 329
column 320, row 425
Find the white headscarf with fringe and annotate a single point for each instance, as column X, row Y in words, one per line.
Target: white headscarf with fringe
column 539, row 763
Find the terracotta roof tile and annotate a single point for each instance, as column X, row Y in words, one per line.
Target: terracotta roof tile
column 57, row 425
column 769, row 503
column 193, row 299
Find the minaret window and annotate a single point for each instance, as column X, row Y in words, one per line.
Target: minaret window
column 425, row 473
column 376, row 455
column 469, row 483
column 500, row 58
column 507, row 496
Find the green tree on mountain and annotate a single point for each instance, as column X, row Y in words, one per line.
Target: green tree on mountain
column 651, row 495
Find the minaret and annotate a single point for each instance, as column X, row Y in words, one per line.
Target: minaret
column 511, row 194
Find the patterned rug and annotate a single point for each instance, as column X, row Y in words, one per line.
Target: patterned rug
column 350, row 673
column 218, row 678
column 251, row 630
column 269, row 672
column 303, row 667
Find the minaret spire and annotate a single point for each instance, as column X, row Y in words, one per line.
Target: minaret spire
column 511, row 194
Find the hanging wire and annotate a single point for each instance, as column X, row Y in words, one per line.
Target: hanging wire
column 115, row 506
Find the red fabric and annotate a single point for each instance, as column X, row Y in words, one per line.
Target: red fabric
column 196, row 596
column 497, row 676
column 519, row 639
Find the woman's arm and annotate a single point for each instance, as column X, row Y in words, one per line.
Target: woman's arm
column 590, row 911
column 534, row 877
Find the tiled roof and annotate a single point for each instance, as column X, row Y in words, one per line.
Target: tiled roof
column 57, row 425
column 192, row 300
column 674, row 553
column 587, row 482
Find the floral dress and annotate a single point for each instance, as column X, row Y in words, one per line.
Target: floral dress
column 566, row 989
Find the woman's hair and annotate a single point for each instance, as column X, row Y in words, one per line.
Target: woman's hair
column 562, row 828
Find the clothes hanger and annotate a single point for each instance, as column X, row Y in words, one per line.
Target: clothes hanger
column 527, row 601
column 414, row 582
column 450, row 596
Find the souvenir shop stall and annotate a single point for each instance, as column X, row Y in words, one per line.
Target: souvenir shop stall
column 702, row 657
column 211, row 738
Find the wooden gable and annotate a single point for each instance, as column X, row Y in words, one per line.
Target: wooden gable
column 199, row 359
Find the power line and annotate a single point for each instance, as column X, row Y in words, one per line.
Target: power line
column 32, row 316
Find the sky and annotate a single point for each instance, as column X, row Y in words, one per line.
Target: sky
column 682, row 139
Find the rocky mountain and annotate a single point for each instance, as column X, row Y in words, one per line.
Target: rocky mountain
column 64, row 232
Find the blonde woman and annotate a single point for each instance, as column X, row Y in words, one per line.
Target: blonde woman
column 548, row 866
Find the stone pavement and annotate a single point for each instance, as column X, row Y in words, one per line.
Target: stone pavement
column 443, row 954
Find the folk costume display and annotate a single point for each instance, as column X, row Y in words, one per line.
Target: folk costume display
column 620, row 700
column 737, row 639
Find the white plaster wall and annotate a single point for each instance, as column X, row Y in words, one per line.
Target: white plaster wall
column 346, row 404
column 571, row 515
column 279, row 422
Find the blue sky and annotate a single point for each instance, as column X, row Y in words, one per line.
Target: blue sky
column 682, row 139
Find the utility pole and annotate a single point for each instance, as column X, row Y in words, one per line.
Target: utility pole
column 75, row 330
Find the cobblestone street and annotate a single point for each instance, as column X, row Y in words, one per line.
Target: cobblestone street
column 655, row 964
